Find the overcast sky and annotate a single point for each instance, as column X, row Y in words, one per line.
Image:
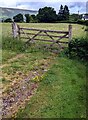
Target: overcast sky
column 74, row 5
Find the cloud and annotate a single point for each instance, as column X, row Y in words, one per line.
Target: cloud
column 22, row 6
column 52, row 1
column 78, row 6
column 12, row 3
column 74, row 5
column 8, row 3
column 87, row 7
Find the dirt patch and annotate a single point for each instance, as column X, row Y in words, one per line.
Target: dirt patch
column 20, row 91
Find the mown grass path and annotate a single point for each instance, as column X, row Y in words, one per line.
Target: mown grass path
column 19, row 92
column 61, row 93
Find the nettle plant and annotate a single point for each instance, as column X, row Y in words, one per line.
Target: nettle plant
column 78, row 48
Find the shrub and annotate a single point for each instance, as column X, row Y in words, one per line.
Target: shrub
column 78, row 48
column 83, row 22
column 46, row 15
column 8, row 20
column 18, row 18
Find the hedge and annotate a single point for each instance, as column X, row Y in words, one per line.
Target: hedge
column 83, row 22
column 78, row 48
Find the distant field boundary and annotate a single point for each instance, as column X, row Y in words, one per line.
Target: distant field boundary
column 27, row 32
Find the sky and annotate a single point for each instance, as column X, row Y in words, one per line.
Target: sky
column 74, row 5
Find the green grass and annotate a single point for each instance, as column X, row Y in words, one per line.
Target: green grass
column 78, row 30
column 14, row 47
column 61, row 93
column 28, row 62
column 31, row 59
column 7, row 55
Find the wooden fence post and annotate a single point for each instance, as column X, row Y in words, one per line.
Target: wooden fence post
column 70, row 32
column 15, row 30
column 18, row 31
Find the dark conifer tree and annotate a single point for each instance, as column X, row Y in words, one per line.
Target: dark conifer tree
column 66, row 12
column 63, row 13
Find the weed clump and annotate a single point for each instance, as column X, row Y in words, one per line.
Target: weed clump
column 78, row 48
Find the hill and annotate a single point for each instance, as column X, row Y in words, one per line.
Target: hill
column 10, row 12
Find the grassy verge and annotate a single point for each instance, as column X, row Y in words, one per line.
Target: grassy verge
column 61, row 93
column 18, row 60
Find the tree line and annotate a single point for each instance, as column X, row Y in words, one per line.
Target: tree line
column 46, row 15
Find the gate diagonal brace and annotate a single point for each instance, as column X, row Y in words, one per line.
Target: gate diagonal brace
column 57, row 41
column 31, row 39
column 26, row 34
column 49, row 36
column 52, row 40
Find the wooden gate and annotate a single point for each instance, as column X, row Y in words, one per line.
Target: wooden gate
column 56, row 37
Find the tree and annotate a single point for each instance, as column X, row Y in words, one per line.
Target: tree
column 27, row 18
column 8, row 20
column 34, row 18
column 63, row 13
column 47, row 14
column 66, row 12
column 18, row 18
column 75, row 17
column 61, row 7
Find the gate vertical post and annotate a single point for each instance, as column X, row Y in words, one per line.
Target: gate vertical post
column 15, row 30
column 70, row 32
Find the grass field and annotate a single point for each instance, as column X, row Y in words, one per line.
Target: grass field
column 78, row 30
column 61, row 81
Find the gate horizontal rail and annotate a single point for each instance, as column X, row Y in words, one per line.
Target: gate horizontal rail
column 64, row 32
column 43, row 35
column 47, row 40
